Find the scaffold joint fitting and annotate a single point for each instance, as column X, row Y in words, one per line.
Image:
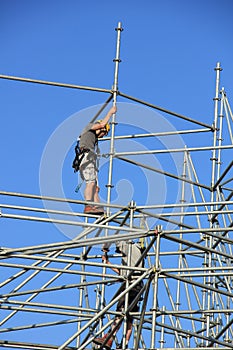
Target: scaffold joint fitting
column 116, row 60
column 119, row 28
column 109, row 185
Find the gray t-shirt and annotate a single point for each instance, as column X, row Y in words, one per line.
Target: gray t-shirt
column 88, row 138
column 135, row 254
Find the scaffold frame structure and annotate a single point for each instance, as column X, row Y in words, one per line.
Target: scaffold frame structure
column 187, row 299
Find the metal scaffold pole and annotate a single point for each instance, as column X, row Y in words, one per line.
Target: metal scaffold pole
column 209, row 240
column 117, row 61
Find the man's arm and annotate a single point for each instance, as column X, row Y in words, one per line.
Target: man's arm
column 101, row 125
column 105, row 259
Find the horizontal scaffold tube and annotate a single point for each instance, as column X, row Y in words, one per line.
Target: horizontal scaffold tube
column 166, row 111
column 172, row 150
column 153, row 206
column 51, row 83
column 162, row 172
column 54, row 199
column 66, row 222
column 156, row 134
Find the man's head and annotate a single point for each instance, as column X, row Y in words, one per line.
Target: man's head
column 102, row 131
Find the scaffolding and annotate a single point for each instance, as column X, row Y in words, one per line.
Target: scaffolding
column 61, row 295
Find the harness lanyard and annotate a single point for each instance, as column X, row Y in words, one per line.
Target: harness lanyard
column 97, row 156
column 78, row 186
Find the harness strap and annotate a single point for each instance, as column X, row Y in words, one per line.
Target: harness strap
column 80, row 153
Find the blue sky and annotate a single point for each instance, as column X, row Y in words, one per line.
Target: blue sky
column 169, row 49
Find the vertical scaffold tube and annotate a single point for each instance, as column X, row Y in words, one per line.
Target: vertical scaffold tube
column 132, row 207
column 115, row 91
column 178, row 340
column 220, row 136
column 209, row 240
column 155, row 300
column 216, row 104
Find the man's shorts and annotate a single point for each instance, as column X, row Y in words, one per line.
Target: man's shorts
column 132, row 295
column 88, row 169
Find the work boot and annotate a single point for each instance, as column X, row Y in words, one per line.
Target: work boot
column 89, row 209
column 94, row 210
column 100, row 341
column 98, row 210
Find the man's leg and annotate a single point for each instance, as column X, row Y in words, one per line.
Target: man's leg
column 89, row 191
column 133, row 293
column 96, row 194
column 107, row 340
column 129, row 331
column 89, row 195
column 98, row 208
column 89, row 174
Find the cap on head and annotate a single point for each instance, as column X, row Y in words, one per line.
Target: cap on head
column 107, row 127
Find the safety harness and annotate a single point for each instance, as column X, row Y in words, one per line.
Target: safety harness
column 79, row 155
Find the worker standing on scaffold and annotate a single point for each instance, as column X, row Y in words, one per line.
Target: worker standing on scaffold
column 86, row 160
column 134, row 294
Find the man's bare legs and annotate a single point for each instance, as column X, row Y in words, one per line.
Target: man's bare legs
column 129, row 328
column 96, row 194
column 89, row 192
column 128, row 332
column 107, row 339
